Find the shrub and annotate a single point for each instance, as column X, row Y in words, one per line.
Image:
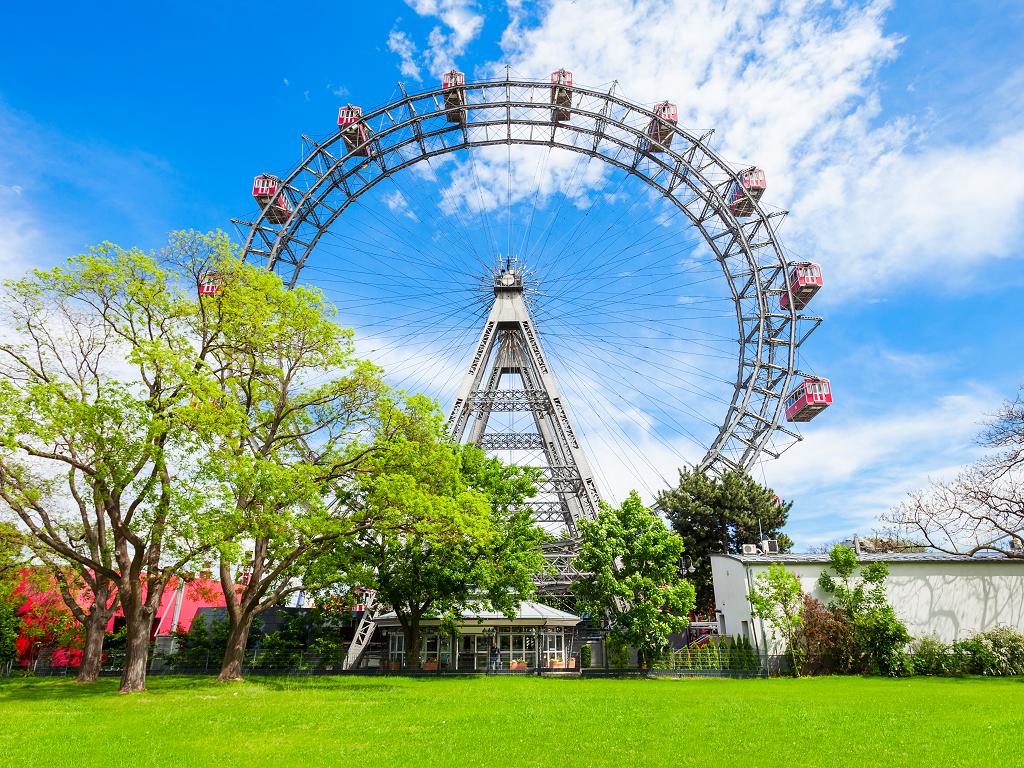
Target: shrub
column 742, row 655
column 933, row 657
column 885, row 637
column 330, row 651
column 203, row 646
column 618, row 654
column 276, row 651
column 997, row 652
column 858, row 591
column 585, row 655
column 730, row 652
column 712, row 656
column 10, row 625
column 829, row 640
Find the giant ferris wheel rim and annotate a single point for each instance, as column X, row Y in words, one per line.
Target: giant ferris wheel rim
column 768, row 339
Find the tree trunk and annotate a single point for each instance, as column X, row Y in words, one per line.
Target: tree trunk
column 139, row 619
column 234, row 655
column 92, row 651
column 133, row 678
column 412, row 643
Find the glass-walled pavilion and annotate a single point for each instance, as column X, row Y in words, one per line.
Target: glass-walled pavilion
column 539, row 636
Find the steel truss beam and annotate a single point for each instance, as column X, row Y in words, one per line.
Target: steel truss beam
column 511, row 441
column 510, row 400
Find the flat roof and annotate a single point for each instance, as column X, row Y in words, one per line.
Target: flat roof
column 529, row 613
column 867, row 557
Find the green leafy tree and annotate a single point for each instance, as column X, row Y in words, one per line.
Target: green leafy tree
column 855, row 589
column 288, row 419
column 12, row 545
column 632, row 564
column 721, row 513
column 10, row 627
column 858, row 591
column 11, row 564
column 776, row 597
column 97, row 439
column 450, row 528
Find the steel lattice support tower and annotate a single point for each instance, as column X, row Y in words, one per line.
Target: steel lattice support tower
column 509, row 346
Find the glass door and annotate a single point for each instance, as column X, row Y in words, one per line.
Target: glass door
column 483, row 649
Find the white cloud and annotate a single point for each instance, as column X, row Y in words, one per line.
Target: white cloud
column 398, row 204
column 461, row 22
column 794, row 88
column 859, row 464
column 481, row 182
column 402, row 45
column 941, row 211
column 22, row 239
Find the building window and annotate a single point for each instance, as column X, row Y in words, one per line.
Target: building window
column 396, row 647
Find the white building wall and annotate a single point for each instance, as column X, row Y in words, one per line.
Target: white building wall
column 945, row 599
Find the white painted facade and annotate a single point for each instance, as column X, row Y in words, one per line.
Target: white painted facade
column 945, row 597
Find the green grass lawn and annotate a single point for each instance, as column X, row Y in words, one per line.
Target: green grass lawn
column 194, row 722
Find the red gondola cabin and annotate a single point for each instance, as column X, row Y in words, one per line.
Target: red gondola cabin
column 561, row 95
column 211, row 284
column 811, row 397
column 804, row 281
column 754, row 183
column 662, row 126
column 268, row 189
column 453, row 84
column 354, row 130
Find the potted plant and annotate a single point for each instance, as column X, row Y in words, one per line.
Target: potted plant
column 557, row 663
column 430, row 665
column 517, row 665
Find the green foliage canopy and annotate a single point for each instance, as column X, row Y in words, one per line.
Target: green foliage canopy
column 96, row 435
column 449, row 527
column 290, row 416
column 858, row 591
column 721, row 514
column 776, row 597
column 633, row 566
column 11, row 564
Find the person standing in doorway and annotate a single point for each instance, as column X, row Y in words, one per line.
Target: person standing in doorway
column 495, row 657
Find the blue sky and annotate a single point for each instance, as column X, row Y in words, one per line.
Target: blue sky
column 890, row 132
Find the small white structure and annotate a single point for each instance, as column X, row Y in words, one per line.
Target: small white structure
column 538, row 636
column 936, row 595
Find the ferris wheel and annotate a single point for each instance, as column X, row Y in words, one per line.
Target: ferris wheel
column 596, row 252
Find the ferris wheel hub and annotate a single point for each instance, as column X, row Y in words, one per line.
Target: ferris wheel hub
column 509, row 275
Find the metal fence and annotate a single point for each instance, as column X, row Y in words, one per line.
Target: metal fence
column 706, row 661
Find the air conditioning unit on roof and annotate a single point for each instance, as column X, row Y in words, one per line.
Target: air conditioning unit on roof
column 750, row 549
column 770, row 546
